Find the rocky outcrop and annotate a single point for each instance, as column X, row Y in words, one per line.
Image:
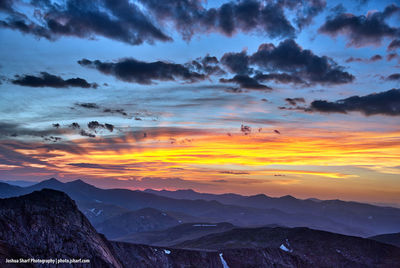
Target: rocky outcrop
column 48, row 225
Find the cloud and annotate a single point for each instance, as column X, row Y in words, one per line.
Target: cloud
column 287, row 63
column 294, row 101
column 245, row 81
column 132, row 70
column 394, row 77
column 119, row 20
column 88, row 105
column 16, row 130
column 74, row 125
column 385, row 103
column 283, row 78
column 395, row 44
column 135, row 22
column 48, row 80
column 87, row 134
column 94, row 125
column 190, row 17
column 374, row 58
column 362, row 30
column 288, row 56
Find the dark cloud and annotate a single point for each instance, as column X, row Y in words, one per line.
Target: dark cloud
column 392, row 56
column 135, row 22
column 56, row 125
column 208, row 65
column 374, row 58
column 94, row 125
column 237, row 62
column 132, row 70
column 16, row 130
column 87, row 134
column 288, row 56
column 294, row 101
column 118, row 111
column 88, row 105
column 245, row 129
column 109, row 127
column 385, row 103
column 190, row 17
column 395, row 44
column 363, row 30
column 393, row 77
column 283, row 78
column 295, row 65
column 277, row 131
column 49, row 80
column 245, row 81
column 121, row 20
column 74, row 125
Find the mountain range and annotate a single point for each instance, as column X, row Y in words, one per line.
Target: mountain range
column 47, row 224
column 125, row 210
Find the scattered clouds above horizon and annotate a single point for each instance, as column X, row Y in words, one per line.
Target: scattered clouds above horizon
column 48, row 80
column 384, row 103
column 363, row 30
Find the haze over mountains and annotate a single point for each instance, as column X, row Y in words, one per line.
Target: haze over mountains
column 47, row 224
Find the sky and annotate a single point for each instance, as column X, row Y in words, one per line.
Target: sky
column 276, row 97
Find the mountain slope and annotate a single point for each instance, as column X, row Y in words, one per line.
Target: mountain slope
column 176, row 234
column 392, row 239
column 143, row 220
column 323, row 249
column 48, row 224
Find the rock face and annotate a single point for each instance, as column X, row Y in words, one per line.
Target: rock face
column 48, row 224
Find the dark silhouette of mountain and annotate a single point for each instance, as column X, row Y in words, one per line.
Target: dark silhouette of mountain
column 143, row 220
column 337, row 216
column 322, row 249
column 176, row 234
column 48, row 224
column 392, row 239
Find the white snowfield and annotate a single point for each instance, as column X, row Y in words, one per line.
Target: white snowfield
column 167, row 251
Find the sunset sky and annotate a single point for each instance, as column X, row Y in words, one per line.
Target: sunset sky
column 275, row 97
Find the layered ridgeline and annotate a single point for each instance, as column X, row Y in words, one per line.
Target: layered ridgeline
column 121, row 213
column 47, row 224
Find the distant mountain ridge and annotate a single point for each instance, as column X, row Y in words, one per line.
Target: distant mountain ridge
column 337, row 216
column 47, row 224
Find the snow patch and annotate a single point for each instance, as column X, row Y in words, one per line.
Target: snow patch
column 167, row 251
column 224, row 264
column 204, row 225
column 98, row 201
column 284, row 248
column 370, row 217
column 99, row 212
column 164, row 214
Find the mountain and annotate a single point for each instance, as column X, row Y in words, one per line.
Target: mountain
column 143, row 220
column 48, row 225
column 19, row 183
column 97, row 212
column 176, row 234
column 369, row 218
column 337, row 216
column 322, row 249
column 392, row 239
